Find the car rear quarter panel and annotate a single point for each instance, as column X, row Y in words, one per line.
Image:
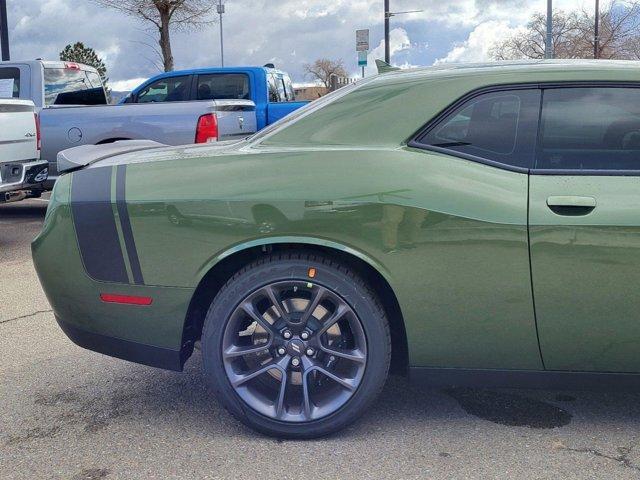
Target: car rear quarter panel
column 448, row 234
column 75, row 297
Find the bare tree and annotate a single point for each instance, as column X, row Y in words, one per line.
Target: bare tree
column 619, row 31
column 323, row 69
column 573, row 35
column 530, row 43
column 165, row 15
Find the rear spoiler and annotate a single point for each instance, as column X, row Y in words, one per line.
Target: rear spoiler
column 79, row 157
column 384, row 67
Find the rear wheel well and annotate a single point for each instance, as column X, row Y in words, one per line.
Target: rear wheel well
column 215, row 279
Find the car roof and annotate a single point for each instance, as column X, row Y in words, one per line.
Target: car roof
column 590, row 68
column 388, row 109
column 47, row 64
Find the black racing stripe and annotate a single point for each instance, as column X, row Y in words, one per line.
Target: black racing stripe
column 125, row 223
column 95, row 225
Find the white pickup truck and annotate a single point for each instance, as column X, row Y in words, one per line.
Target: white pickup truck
column 22, row 173
column 71, row 102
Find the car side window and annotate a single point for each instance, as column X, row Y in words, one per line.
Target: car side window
column 496, row 126
column 171, row 89
column 223, row 86
column 288, row 87
column 274, row 93
column 10, row 82
column 594, row 128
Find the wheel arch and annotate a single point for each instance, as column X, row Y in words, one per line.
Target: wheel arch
column 224, row 266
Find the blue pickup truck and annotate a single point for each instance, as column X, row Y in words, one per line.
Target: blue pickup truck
column 269, row 88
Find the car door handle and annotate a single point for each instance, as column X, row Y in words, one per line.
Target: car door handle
column 571, row 205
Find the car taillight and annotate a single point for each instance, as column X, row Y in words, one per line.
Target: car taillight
column 38, row 140
column 71, row 66
column 207, row 130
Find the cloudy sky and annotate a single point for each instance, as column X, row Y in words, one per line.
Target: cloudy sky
column 288, row 33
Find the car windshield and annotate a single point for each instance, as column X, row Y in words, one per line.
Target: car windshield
column 308, row 109
column 72, row 86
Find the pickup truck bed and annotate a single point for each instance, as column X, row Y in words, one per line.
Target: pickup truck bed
column 169, row 123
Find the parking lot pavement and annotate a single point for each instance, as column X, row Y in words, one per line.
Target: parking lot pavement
column 72, row 414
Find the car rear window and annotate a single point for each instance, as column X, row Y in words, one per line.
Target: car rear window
column 496, row 126
column 594, row 128
column 223, row 86
column 72, row 86
column 9, row 82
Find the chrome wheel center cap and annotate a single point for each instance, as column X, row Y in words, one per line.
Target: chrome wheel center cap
column 296, row 347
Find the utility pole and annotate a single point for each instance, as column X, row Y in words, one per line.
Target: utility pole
column 596, row 38
column 220, row 8
column 548, row 46
column 4, row 30
column 387, row 16
column 387, row 48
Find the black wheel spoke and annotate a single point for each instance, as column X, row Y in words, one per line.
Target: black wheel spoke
column 273, row 297
column 242, row 378
column 349, row 384
column 236, row 351
column 306, row 394
column 340, row 312
column 281, row 395
column 313, row 304
column 250, row 310
column 352, row 355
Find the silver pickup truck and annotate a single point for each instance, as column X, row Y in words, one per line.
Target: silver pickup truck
column 22, row 173
column 72, row 105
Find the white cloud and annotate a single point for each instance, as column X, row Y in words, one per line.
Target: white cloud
column 398, row 41
column 293, row 32
column 126, row 85
column 477, row 46
column 495, row 21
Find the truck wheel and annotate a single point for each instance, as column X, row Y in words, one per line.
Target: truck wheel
column 296, row 345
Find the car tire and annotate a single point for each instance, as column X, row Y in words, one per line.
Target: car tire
column 336, row 385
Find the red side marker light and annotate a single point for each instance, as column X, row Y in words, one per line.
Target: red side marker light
column 125, row 299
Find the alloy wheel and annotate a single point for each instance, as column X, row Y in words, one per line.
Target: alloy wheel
column 294, row 351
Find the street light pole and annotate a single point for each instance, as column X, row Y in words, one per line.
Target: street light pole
column 4, row 30
column 220, row 8
column 596, row 38
column 387, row 48
column 387, row 16
column 548, row 46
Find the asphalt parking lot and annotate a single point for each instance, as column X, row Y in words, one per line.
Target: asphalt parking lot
column 72, row 414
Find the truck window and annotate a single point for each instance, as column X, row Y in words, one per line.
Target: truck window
column 172, row 89
column 9, row 82
column 274, row 92
column 223, row 86
column 281, row 90
column 288, row 88
column 71, row 86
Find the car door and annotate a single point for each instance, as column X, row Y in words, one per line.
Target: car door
column 475, row 288
column 585, row 228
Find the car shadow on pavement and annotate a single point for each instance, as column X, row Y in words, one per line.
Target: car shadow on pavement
column 186, row 399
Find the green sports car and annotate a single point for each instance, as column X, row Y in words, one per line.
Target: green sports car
column 474, row 224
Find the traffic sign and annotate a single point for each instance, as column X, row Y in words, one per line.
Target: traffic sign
column 362, row 58
column 362, row 40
